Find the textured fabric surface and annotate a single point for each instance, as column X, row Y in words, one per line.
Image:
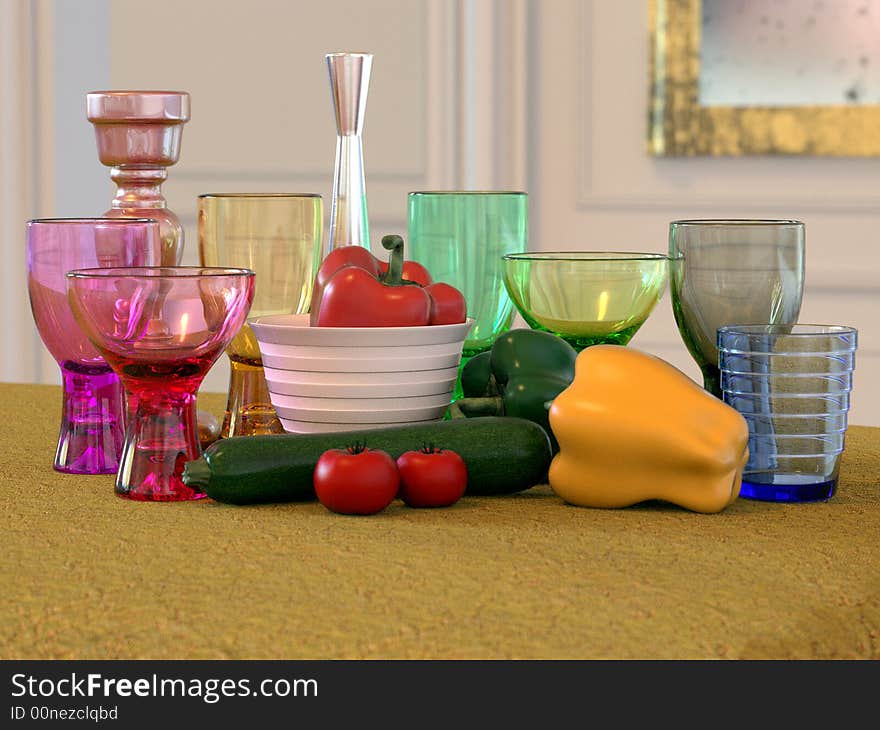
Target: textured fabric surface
column 86, row 574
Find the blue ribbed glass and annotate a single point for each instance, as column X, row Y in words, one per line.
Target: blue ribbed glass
column 792, row 384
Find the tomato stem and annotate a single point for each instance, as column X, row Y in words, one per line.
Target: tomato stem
column 358, row 447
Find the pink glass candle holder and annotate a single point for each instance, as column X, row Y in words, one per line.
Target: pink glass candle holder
column 138, row 135
column 92, row 415
column 160, row 329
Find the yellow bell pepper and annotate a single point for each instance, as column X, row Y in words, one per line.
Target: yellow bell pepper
column 631, row 427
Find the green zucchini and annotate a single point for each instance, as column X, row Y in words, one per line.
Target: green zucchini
column 503, row 455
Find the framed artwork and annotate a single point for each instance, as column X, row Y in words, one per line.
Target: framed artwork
column 755, row 77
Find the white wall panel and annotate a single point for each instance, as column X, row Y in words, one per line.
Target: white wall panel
column 26, row 175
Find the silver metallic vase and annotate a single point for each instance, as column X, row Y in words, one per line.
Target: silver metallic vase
column 349, row 84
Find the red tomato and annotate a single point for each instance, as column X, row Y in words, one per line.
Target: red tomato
column 447, row 304
column 431, row 477
column 356, row 480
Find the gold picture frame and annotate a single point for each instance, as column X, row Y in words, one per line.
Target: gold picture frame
column 679, row 126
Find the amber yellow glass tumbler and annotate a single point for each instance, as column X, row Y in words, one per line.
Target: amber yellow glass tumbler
column 278, row 236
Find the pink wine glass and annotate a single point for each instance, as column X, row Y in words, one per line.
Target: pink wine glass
column 92, row 416
column 160, row 329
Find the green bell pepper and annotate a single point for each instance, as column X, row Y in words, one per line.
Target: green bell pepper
column 519, row 376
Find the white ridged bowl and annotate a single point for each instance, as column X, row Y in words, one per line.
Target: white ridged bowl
column 326, row 379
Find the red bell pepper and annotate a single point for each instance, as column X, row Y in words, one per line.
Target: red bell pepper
column 333, row 262
column 447, row 304
column 354, row 297
column 359, row 256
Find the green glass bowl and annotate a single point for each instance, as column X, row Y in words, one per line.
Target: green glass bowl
column 586, row 297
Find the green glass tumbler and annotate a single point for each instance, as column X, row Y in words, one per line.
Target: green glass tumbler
column 461, row 236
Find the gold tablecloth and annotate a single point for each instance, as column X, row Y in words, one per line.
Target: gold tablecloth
column 87, row 575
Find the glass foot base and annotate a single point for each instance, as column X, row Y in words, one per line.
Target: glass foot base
column 181, row 494
column 253, row 421
column 812, row 492
column 92, row 418
column 249, row 410
column 96, row 465
column 161, row 437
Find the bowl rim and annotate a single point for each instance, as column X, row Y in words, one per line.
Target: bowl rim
column 800, row 330
column 158, row 272
column 521, row 193
column 585, row 256
column 260, row 321
column 258, row 196
column 90, row 221
column 721, row 222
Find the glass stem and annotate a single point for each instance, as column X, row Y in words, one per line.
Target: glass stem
column 249, row 409
column 162, row 435
column 457, row 391
column 712, row 380
column 91, row 437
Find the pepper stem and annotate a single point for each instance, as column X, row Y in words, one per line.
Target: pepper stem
column 394, row 275
column 473, row 407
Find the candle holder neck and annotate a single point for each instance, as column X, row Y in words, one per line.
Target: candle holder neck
column 138, row 187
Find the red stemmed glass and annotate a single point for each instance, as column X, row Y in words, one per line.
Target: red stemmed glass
column 160, row 329
column 92, row 417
